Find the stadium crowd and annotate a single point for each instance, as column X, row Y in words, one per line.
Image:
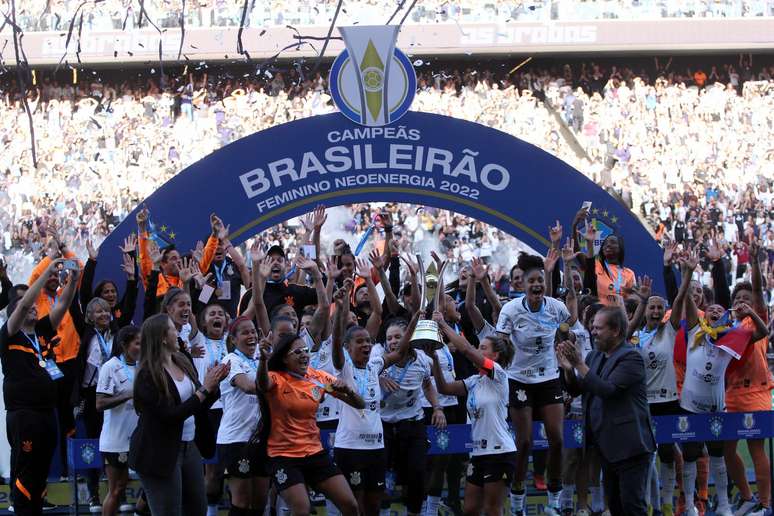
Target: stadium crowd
column 44, row 15
column 681, row 150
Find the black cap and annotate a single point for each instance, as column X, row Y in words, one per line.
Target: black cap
column 276, row 249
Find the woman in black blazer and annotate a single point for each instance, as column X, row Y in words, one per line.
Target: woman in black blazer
column 173, row 427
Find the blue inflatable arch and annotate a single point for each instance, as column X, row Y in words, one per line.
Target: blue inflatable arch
column 426, row 159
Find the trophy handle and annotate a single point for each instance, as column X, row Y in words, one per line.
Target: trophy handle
column 422, row 285
column 439, row 290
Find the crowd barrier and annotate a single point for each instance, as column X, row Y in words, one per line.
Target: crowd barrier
column 84, row 454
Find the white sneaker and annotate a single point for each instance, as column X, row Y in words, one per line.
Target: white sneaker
column 724, row 510
column 746, row 506
column 551, row 511
column 582, row 512
column 691, row 511
column 126, row 507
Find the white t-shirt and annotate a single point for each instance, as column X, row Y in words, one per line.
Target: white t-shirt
column 704, row 388
column 532, row 335
column 584, row 341
column 120, row 421
column 362, row 429
column 406, row 402
column 657, row 349
column 241, row 412
column 185, row 388
column 446, row 361
column 487, row 409
column 487, row 331
column 100, row 348
column 214, row 353
column 322, row 360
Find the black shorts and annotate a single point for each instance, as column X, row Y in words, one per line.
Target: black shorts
column 406, row 445
column 116, row 460
column 244, row 460
column 455, row 414
column 534, row 395
column 311, row 470
column 667, row 408
column 498, row 467
column 363, row 469
column 331, row 424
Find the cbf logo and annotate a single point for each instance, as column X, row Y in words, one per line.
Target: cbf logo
column 716, row 426
column 88, row 454
column 372, row 82
column 442, row 439
column 682, row 423
column 748, row 421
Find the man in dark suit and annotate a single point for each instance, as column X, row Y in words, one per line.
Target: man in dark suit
column 615, row 405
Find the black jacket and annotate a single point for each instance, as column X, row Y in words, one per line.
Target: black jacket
column 124, row 310
column 155, row 442
column 615, row 404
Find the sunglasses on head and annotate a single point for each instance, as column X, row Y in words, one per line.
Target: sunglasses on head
column 301, row 351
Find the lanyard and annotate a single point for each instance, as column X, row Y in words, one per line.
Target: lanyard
column 619, row 277
column 472, row 404
column 326, row 388
column 540, row 316
column 214, row 359
column 247, row 360
column 129, row 372
column 219, row 272
column 104, row 348
column 315, row 362
column 362, row 380
column 399, row 380
column 449, row 359
column 35, row 344
column 646, row 337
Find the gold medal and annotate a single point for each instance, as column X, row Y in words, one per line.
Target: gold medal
column 635, row 340
column 218, row 293
column 564, row 327
column 328, row 387
column 42, row 363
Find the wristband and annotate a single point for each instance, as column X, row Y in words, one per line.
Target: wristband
column 204, row 391
column 388, row 229
column 438, row 407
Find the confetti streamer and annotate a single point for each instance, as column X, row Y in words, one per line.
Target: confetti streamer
column 22, row 69
column 182, row 29
column 240, row 46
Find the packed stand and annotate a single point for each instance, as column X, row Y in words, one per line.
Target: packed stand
column 40, row 15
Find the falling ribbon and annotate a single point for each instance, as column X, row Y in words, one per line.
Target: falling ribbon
column 365, row 236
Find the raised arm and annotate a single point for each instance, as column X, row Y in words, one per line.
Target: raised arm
column 688, row 265
column 414, row 298
column 679, row 304
column 375, row 319
column 719, row 280
column 263, row 381
column 642, row 303
column 759, row 303
column 459, row 342
column 321, row 314
column 474, row 313
column 378, row 263
column 568, row 255
column 16, row 319
column 68, row 295
column 261, row 270
column 341, row 298
column 455, row 388
column 669, row 272
column 761, row 330
column 404, row 345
